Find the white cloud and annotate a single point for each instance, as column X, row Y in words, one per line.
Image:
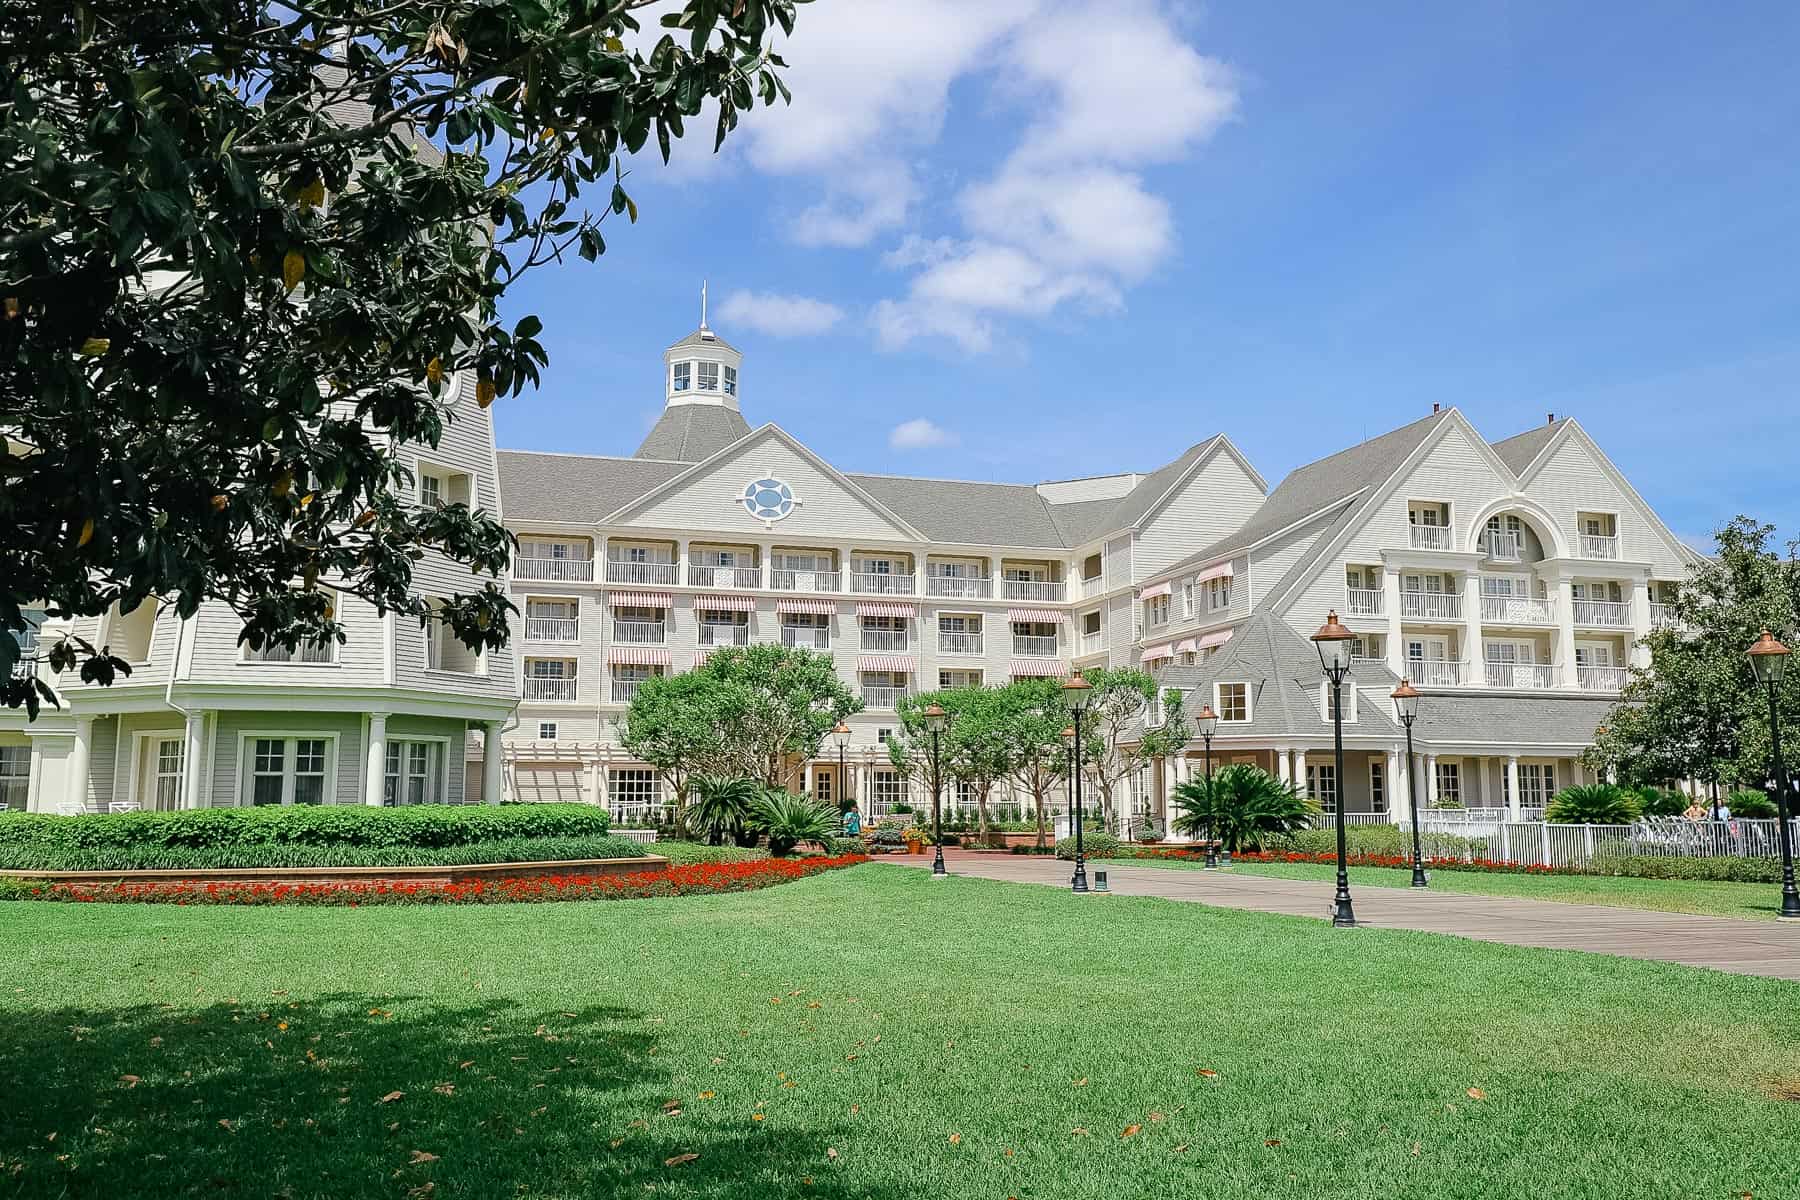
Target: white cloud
column 898, row 322
column 779, row 315
column 854, row 215
column 919, row 434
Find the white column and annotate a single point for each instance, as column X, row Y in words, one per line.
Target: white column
column 1430, row 781
column 681, row 561
column 1566, row 675
column 806, row 777
column 375, row 768
column 605, row 797
column 1390, row 604
column 1471, row 653
column 1512, row 787
column 594, row 794
column 193, row 758
column 1639, row 654
column 79, row 756
column 1399, row 801
column 490, row 763
column 1299, row 776
column 1283, row 770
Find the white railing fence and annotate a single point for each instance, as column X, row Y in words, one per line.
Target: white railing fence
column 1537, row 843
column 1329, row 820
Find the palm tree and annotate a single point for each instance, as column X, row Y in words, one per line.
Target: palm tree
column 721, row 806
column 787, row 820
column 1240, row 804
column 1593, row 804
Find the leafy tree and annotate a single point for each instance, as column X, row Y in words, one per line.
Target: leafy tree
column 975, row 748
column 245, row 251
column 1594, row 804
column 1034, row 718
column 1240, row 804
column 788, row 820
column 1119, row 742
column 1696, row 710
column 679, row 724
column 722, row 807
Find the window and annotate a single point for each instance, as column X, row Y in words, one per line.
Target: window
column 414, row 770
column 887, row 788
column 438, row 487
column 1436, row 515
column 630, row 791
column 15, row 776
column 1364, row 647
column 1157, row 610
column 320, row 652
column 166, row 758
column 1537, row 783
column 1321, row 784
column 957, row 679
column 1349, row 696
column 1224, row 593
column 709, row 377
column 130, row 633
column 1090, row 623
column 683, row 376
column 288, row 770
column 1377, row 785
column 1232, row 701
column 1449, row 783
column 546, row 731
column 1090, row 567
column 431, row 490
column 731, row 381
column 1187, row 599
column 1024, row 574
column 882, row 736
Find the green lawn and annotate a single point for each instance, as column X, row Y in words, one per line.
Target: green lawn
column 1759, row 901
column 897, row 1036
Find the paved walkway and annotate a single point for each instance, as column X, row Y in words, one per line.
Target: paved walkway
column 1722, row 943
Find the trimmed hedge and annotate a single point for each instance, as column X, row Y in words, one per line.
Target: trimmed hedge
column 1093, row 845
column 151, row 857
column 1724, row 869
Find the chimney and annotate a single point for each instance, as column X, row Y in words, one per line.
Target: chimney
column 1436, row 407
column 1550, row 420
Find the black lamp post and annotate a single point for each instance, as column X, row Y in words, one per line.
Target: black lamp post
column 840, row 734
column 935, row 720
column 1333, row 641
column 1406, row 708
column 1078, row 693
column 1207, row 722
column 1068, row 741
column 1769, row 658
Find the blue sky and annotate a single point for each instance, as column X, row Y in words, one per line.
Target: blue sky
column 1075, row 236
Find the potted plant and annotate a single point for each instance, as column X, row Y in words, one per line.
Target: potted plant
column 914, row 837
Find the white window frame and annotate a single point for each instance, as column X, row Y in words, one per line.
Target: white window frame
column 142, row 751
column 619, row 797
column 730, row 373
column 247, row 739
column 1315, row 775
column 1249, row 702
column 1157, row 610
column 437, row 782
column 16, row 782
column 1349, row 691
column 1378, row 784
column 681, row 376
column 702, row 382
column 1449, row 781
column 547, row 731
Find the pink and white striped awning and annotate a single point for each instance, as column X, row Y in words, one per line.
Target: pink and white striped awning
column 638, row 599
column 1186, row 646
column 726, row 603
column 1163, row 651
column 1029, row 668
column 884, row 608
column 638, row 656
column 1216, row 639
column 906, row 664
column 1155, row 590
column 1221, row 571
column 822, row 608
column 1036, row 614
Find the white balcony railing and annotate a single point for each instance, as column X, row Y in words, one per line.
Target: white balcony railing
column 804, row 581
column 554, row 570
column 876, row 584
column 724, row 577
column 1502, row 547
column 1661, row 615
column 1431, row 606
column 959, row 586
column 1092, row 643
column 1520, row 675
column 806, row 637
column 1517, row 610
column 624, row 691
column 1034, row 645
column 882, row 697
column 1600, row 679
column 1437, row 672
column 552, row 629
column 719, row 634
column 1430, row 537
column 1613, row 614
column 1031, row 589
column 1362, row 602
column 1595, row 545
column 958, row 643
column 1093, row 587
column 656, row 573
column 549, row 688
column 640, row 633
column 888, row 640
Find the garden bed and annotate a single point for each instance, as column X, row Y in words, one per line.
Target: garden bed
column 297, row 876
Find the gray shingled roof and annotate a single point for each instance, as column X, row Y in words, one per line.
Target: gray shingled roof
column 1517, row 452
column 692, row 433
column 954, row 511
column 705, row 337
column 1085, row 521
column 575, row 487
column 1511, row 720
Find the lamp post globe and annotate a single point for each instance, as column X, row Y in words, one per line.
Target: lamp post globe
column 1769, row 658
column 1406, row 711
column 840, row 736
column 1078, row 694
column 1207, row 724
column 1333, row 642
column 935, row 721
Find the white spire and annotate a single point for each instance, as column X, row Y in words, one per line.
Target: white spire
column 703, row 304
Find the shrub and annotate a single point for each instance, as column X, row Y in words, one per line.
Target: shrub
column 1657, row 802
column 150, row 857
column 1593, row 804
column 1147, row 833
column 1382, row 839
column 1240, row 806
column 1751, row 805
column 1093, row 845
column 885, row 834
column 720, row 806
column 685, row 853
column 1723, row 869
column 788, row 820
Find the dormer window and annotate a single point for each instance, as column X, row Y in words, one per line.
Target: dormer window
column 709, row 377
column 684, row 376
column 731, row 381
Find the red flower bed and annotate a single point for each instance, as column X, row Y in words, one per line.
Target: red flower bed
column 686, row 880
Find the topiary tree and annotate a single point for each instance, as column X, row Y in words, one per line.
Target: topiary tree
column 1241, row 804
column 1594, row 804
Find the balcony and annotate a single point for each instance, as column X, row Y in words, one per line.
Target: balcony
column 719, row 634
column 882, row 697
column 806, row 637
column 876, row 584
column 554, row 570
column 1093, row 643
column 1600, row 679
column 552, row 629
column 1034, row 645
column 804, row 581
column 624, row 691
column 1031, row 589
column 1437, row 672
column 958, row 643
column 661, row 573
column 1521, row 675
column 1362, row 602
column 1502, row 547
column 1595, row 545
column 959, row 586
column 549, row 688
column 724, row 577
column 1609, row 614
column 1517, row 610
column 1661, row 615
column 1430, row 537
column 640, row 633
column 1093, row 586
column 892, row 641
column 26, row 666
column 1431, row 606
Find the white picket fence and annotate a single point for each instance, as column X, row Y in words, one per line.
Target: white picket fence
column 1538, row 843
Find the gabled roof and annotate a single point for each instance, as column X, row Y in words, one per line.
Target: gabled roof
column 574, row 488
column 1089, row 520
column 692, row 432
column 954, row 511
column 1519, row 451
